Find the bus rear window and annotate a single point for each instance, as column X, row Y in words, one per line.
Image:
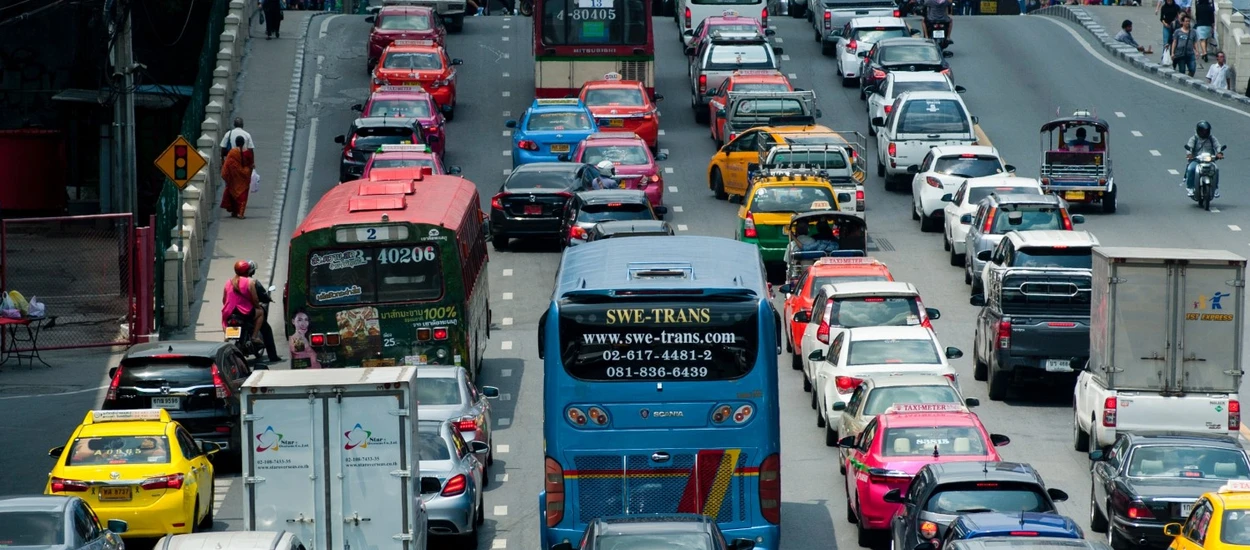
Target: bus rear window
column 641, row 341
column 373, row 275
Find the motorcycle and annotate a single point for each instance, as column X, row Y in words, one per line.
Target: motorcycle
column 940, row 30
column 1206, row 173
column 239, row 327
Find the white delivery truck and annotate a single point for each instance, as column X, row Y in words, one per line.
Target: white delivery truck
column 1165, row 344
column 331, row 456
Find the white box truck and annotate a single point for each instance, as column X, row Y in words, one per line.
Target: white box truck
column 331, row 455
column 1165, row 344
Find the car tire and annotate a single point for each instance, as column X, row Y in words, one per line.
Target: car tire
column 881, row 172
column 1097, row 521
column 1080, row 442
column 717, row 183
column 816, row 33
column 796, row 361
column 946, row 243
column 980, row 370
column 977, row 287
column 700, row 113
column 967, row 271
column 872, row 130
column 481, row 511
column 207, row 523
column 451, row 113
column 196, row 526
column 831, row 435
column 915, row 211
column 797, row 11
column 499, row 241
column 469, row 541
column 850, row 512
column 863, row 536
column 1115, row 540
column 1110, row 201
column 826, row 49
column 807, row 387
column 928, row 224
column 996, row 386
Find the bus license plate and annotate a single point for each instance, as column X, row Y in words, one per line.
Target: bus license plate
column 233, row 332
column 1186, row 508
column 939, row 34
column 114, row 494
column 533, row 209
column 166, row 403
column 616, row 122
column 1058, row 365
column 1074, row 195
column 560, row 148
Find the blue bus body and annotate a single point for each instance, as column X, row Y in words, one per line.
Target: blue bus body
column 660, row 387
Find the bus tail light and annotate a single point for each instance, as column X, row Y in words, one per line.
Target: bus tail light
column 748, row 226
column 721, row 414
column 576, row 416
column 1108, row 412
column 554, row 485
column 424, row 334
column 743, row 414
column 847, row 384
column 495, row 203
column 770, row 489
column 455, row 486
column 440, row 333
column 598, row 416
column 1234, row 415
column 62, row 485
column 117, row 381
column 332, row 339
column 317, row 339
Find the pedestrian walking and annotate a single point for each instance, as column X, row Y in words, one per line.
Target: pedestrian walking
column 1168, row 11
column 237, row 171
column 271, row 10
column 1204, row 24
column 227, row 141
column 1183, row 47
column 1220, row 75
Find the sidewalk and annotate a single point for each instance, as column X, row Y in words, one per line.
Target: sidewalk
column 265, row 97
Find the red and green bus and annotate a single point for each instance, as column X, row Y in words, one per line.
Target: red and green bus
column 576, row 41
column 386, row 273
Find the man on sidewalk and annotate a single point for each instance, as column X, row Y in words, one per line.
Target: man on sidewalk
column 1220, row 75
column 1126, row 36
column 227, row 141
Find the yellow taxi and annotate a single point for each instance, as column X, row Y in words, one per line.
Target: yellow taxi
column 1218, row 520
column 138, row 466
column 728, row 173
column 765, row 214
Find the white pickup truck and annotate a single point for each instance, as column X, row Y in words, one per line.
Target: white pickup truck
column 1165, row 344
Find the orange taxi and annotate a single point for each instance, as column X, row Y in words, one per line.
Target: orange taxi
column 742, row 81
column 421, row 63
column 801, row 293
column 623, row 105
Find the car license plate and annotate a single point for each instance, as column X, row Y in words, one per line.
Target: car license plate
column 166, row 403
column 114, row 494
column 1074, row 195
column 233, row 332
column 1058, row 365
column 533, row 209
column 560, row 148
column 939, row 34
column 1186, row 508
column 616, row 122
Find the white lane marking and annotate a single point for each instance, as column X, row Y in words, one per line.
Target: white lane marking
column 507, row 321
column 500, row 478
column 672, row 189
column 661, row 132
column 507, row 56
column 308, row 169
column 1119, row 114
column 505, row 421
column 1133, row 74
column 668, row 169
column 505, row 396
column 507, row 153
column 501, row 449
column 785, row 57
column 792, row 76
column 507, row 295
column 779, row 40
column 501, row 510
column 1155, row 153
column 220, row 490
column 506, row 75
column 506, row 19
column 499, row 544
column 676, row 209
column 505, row 372
column 507, row 93
column 507, row 26
column 507, row 133
column 505, row 345
column 317, row 86
column 1173, row 171
column 665, row 151
column 505, row 39
column 1234, row 228
column 507, row 171
column 1215, row 210
column 682, row 227
column 325, row 26
column 507, row 273
column 1136, row 133
column 507, row 113
column 320, row 58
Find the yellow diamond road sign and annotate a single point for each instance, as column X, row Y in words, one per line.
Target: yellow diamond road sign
column 181, row 161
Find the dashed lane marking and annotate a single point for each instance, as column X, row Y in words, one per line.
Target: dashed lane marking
column 1234, row 228
column 505, row 397
column 505, row 421
column 661, row 132
column 507, row 113
column 1118, row 114
column 501, row 510
column 665, row 151
column 785, row 57
column 792, row 76
column 501, row 449
column 505, row 345
column 668, row 169
column 1215, row 210
column 779, row 40
column 505, row 39
column 500, row 478
column 507, row 133
column 220, row 490
column 507, row 321
column 317, row 86
column 499, row 544
column 507, row 273
column 507, row 56
column 682, row 227
column 1155, row 153
column 676, row 209
column 672, row 189
column 506, row 75
column 507, row 153
column 320, row 59
column 507, row 171
column 506, row 93
column 507, row 295
column 1136, row 133
column 1174, row 171
column 505, row 372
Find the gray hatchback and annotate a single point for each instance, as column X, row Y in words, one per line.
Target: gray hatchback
column 997, row 214
column 453, row 475
column 63, row 523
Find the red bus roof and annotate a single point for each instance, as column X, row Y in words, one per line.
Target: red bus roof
column 440, row 200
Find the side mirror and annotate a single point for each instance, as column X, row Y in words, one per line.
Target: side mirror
column 113, row 373
column 1010, row 169
column 975, row 119
column 847, row 442
column 430, row 485
column 479, row 447
column 688, row 32
column 741, row 544
column 878, row 121
column 340, row 139
column 778, row 50
column 954, row 353
column 933, row 313
column 1172, row 529
column 999, row 440
column 803, row 316
column 893, row 496
column 720, row 113
column 1078, row 218
column 770, row 32
column 510, row 124
column 948, row 54
column 690, row 51
column 1057, row 495
column 977, row 300
column 658, row 97
column 56, row 452
column 358, row 108
column 454, row 170
column 660, row 210
column 369, row 19
column 965, row 219
column 210, row 448
column 839, row 406
column 972, row 402
column 787, row 289
column 984, row 255
column 948, row 198
column 913, row 169
column 960, row 89
column 491, row 392
column 818, row 355
column 118, row 526
column 457, row 61
column 914, row 32
column 1097, row 455
column 661, row 156
column 563, row 157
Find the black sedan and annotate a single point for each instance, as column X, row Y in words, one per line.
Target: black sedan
column 531, row 202
column 1148, row 479
column 589, row 208
column 633, row 228
column 685, row 531
column 65, row 523
column 369, row 134
column 902, row 54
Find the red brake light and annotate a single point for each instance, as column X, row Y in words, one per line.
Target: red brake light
column 528, row 145
column 933, row 182
column 847, row 384
column 897, row 13
column 859, row 194
column 1234, row 416
column 878, row 74
column 950, row 376
column 62, row 485
column 223, row 391
column 455, row 486
column 989, row 221
column 553, row 484
column 888, row 108
column 173, row 481
column 687, row 26
column 968, row 156
column 770, row 489
column 822, row 332
column 440, row 333
column 1108, row 412
column 828, row 20
column 577, row 232
column 1060, row 325
column 318, row 340
column 1067, row 220
column 1137, row 510
column 892, row 149
column 990, row 484
column 352, row 144
column 495, row 203
column 1023, row 533
column 764, row 18
column 1004, row 335
column 853, row 46
column 117, row 380
column 748, row 229
column 702, row 83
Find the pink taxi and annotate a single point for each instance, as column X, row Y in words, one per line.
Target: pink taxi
column 635, row 166
column 896, row 444
column 727, row 21
column 408, row 102
column 394, row 157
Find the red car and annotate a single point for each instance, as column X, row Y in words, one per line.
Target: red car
column 623, row 105
column 409, row 102
column 396, row 157
column 634, row 163
column 403, row 23
column 742, row 81
column 896, row 444
column 826, row 271
column 419, row 63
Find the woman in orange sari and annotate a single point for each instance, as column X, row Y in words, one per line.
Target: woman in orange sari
column 236, row 170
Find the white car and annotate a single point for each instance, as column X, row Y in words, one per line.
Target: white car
column 1041, row 248
column 941, row 172
column 963, row 202
column 917, row 122
column 881, row 96
column 878, row 393
column 859, row 353
column 856, row 39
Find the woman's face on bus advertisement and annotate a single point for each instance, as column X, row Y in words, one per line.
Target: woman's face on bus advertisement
column 301, row 322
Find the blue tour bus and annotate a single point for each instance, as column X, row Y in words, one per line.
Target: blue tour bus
column 660, row 387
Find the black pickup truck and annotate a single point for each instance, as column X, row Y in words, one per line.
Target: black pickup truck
column 1034, row 323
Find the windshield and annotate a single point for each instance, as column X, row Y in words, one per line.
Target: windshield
column 367, row 275
column 417, row 61
column 917, row 53
column 933, row 116
column 880, row 33
column 601, row 23
column 614, row 212
column 828, row 160
column 438, row 391
column 740, row 56
column 540, row 180
column 963, row 498
column 883, row 397
column 1236, row 527
column 821, row 281
column 624, row 155
column 430, row 446
column 1029, row 217
column 412, row 108
column 402, row 163
column 968, row 166
column 756, row 87
column 977, row 193
column 658, row 541
column 404, row 23
column 1078, row 257
column 139, row 373
column 948, row 441
column 625, row 97
column 769, row 107
column 120, row 449
column 558, row 121
column 370, row 139
column 792, row 199
column 872, row 311
column 1188, row 461
column 921, row 86
column 32, row 529
column 889, row 352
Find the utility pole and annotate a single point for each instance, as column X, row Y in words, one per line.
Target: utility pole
column 125, row 181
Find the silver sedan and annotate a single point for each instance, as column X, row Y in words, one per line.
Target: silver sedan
column 447, row 393
column 66, row 523
column 453, row 473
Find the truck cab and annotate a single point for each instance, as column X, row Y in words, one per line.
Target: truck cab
column 746, row 110
column 719, row 56
column 841, row 166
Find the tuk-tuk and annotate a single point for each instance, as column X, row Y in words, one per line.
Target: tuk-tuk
column 1076, row 164
column 835, row 234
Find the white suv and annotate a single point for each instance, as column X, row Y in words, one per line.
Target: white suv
column 917, row 122
column 964, row 201
column 856, row 39
column 941, row 172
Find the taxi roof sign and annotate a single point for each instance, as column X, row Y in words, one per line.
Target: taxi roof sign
column 756, row 72
column 729, row 13
column 413, row 43
column 413, row 88
column 1236, row 486
column 612, row 76
column 924, row 408
column 848, row 261
column 558, row 101
column 408, row 148
column 127, row 415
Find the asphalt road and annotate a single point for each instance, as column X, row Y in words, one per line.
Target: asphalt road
column 1018, row 71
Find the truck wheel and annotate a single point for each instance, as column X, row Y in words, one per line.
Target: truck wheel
column 1080, row 440
column 1097, row 521
column 998, row 384
column 1110, row 201
column 796, row 362
column 979, row 368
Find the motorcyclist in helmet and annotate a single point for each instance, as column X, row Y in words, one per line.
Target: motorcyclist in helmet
column 607, row 176
column 266, row 331
column 240, row 295
column 1201, row 142
column 938, row 11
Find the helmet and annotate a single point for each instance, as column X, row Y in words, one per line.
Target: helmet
column 251, row 268
column 606, row 168
column 242, row 267
column 1204, row 129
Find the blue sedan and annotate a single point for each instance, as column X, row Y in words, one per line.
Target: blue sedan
column 548, row 129
column 1034, row 525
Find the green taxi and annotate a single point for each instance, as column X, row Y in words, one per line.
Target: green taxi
column 764, row 217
